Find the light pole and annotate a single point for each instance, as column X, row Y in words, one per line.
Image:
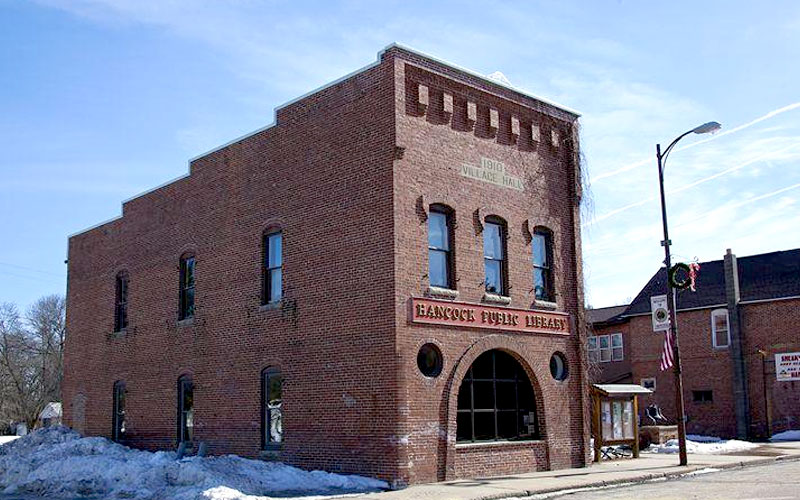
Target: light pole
column 706, row 128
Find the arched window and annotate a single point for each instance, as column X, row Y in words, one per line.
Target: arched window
column 121, row 302
column 118, row 412
column 720, row 332
column 271, row 403
column 186, row 306
column 185, row 409
column 272, row 271
column 542, row 245
column 440, row 247
column 494, row 256
column 495, row 401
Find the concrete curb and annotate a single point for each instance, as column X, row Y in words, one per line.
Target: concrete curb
column 660, row 476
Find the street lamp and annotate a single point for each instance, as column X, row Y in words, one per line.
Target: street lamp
column 706, row 128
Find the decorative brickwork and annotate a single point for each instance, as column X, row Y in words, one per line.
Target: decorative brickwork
column 348, row 174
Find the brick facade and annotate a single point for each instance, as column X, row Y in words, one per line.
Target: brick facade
column 348, row 174
column 766, row 325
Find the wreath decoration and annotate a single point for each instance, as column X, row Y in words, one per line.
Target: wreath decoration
column 691, row 271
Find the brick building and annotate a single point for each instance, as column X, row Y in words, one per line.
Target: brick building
column 745, row 312
column 386, row 281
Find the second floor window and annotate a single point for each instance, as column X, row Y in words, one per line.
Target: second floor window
column 186, row 288
column 542, row 270
column 720, row 333
column 121, row 303
column 440, row 254
column 494, row 256
column 272, row 288
column 606, row 348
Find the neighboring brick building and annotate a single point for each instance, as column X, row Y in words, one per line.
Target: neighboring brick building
column 351, row 288
column 744, row 312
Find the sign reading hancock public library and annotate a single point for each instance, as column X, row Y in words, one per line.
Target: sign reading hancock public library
column 787, row 366
column 445, row 312
column 493, row 172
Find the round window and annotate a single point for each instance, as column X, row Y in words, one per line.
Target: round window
column 429, row 360
column 558, row 366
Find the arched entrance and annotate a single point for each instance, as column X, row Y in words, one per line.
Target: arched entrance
column 495, row 416
column 496, row 401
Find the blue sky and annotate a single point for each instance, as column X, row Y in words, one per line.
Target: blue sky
column 103, row 99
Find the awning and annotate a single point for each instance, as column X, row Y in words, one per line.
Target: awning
column 621, row 389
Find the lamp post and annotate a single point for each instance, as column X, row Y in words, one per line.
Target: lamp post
column 706, row 128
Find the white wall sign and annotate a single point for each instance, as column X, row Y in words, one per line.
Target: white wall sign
column 787, row 366
column 658, row 309
column 493, row 172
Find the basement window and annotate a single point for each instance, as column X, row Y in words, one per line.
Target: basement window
column 702, row 396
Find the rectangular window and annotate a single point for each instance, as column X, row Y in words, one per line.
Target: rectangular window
column 616, row 347
column 494, row 258
column 702, row 396
column 594, row 354
column 271, row 413
column 118, row 427
column 121, row 303
column 542, row 275
column 720, row 333
column 185, row 409
column 273, row 268
column 186, row 289
column 606, row 348
column 440, row 256
column 649, row 383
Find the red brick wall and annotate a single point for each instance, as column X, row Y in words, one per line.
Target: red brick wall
column 768, row 326
column 436, row 144
column 341, row 174
column 613, row 371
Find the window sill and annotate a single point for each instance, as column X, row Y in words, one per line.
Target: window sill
column 545, row 304
column 489, row 444
column 118, row 334
column 492, row 298
column 442, row 293
column 185, row 322
column 270, row 306
column 270, row 454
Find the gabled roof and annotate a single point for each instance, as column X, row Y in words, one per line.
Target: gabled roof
column 761, row 277
column 604, row 314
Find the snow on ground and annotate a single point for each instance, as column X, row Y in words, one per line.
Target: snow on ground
column 705, row 445
column 786, row 436
column 7, row 439
column 58, row 462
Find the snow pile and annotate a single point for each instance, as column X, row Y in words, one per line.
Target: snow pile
column 7, row 439
column 786, row 436
column 59, row 462
column 708, row 446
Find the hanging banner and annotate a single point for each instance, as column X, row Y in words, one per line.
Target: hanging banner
column 787, row 366
column 658, row 309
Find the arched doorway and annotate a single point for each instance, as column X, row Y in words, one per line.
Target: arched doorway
column 496, row 401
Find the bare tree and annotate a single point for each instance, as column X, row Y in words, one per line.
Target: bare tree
column 31, row 359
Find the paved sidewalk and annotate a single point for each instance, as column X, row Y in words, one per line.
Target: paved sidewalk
column 649, row 466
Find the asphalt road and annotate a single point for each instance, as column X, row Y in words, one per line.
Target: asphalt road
column 779, row 481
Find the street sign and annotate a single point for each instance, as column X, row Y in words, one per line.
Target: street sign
column 658, row 309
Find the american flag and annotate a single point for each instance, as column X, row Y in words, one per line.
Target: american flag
column 666, row 356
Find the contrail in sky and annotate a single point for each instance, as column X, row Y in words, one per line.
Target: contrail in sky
column 712, row 138
column 690, row 185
